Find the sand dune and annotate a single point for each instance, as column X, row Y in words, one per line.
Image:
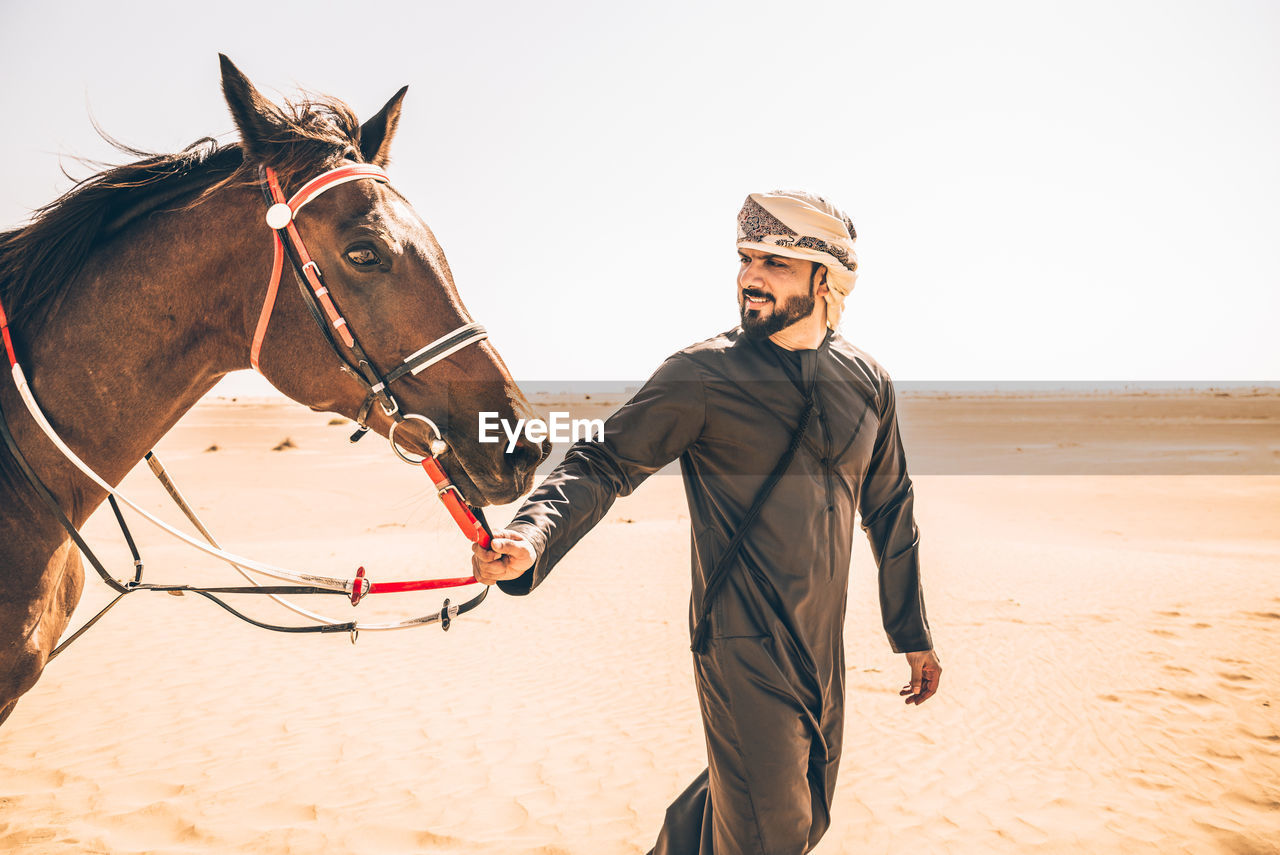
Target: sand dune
column 1109, row 644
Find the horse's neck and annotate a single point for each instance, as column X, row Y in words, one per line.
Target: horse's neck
column 157, row 316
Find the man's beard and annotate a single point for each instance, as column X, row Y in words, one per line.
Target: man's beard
column 758, row 326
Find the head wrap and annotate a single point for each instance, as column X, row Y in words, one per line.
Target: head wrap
column 797, row 224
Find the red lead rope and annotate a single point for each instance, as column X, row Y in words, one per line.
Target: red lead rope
column 472, row 526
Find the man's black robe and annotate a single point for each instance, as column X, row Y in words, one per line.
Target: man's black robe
column 771, row 682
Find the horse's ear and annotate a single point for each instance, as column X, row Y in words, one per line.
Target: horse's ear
column 256, row 117
column 376, row 134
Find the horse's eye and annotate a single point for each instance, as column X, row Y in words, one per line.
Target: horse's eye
column 363, row 256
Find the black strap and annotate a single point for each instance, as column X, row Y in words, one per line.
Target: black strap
column 720, row 573
column 85, row 628
column 128, row 538
column 461, row 334
column 43, row 492
column 128, row 588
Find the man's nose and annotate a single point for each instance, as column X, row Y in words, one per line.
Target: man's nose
column 755, row 270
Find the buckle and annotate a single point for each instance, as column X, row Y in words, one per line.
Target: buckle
column 359, row 587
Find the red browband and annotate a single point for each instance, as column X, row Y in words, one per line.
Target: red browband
column 305, row 194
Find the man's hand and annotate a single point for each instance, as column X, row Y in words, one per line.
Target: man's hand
column 925, row 672
column 508, row 556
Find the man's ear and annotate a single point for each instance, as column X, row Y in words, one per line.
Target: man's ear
column 821, row 275
column 376, row 134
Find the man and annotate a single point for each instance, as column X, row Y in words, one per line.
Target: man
column 769, row 650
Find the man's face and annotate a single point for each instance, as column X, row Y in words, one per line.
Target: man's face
column 775, row 291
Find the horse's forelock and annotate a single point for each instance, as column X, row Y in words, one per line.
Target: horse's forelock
column 309, row 136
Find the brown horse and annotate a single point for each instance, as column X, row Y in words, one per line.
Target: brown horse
column 130, row 296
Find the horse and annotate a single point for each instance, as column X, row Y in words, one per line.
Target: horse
column 130, row 296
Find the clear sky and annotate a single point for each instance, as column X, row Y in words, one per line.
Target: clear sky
column 1082, row 191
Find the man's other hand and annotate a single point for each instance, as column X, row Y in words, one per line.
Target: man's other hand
column 508, row 556
column 925, row 673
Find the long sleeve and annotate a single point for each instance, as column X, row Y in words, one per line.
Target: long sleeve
column 887, row 507
column 652, row 429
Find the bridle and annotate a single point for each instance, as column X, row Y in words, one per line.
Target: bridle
column 320, row 303
column 281, row 215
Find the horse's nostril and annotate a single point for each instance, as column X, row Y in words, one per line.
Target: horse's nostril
column 528, row 453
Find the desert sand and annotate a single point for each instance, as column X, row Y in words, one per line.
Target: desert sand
column 1109, row 641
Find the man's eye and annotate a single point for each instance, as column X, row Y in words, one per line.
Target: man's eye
column 363, row 256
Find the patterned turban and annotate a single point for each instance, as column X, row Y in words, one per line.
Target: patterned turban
column 801, row 225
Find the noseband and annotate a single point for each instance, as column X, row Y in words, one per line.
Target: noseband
column 319, row 302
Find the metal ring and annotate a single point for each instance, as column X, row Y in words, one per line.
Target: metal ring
column 391, row 437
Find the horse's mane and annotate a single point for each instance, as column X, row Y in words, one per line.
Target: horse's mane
column 40, row 260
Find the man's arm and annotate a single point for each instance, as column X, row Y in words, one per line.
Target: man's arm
column 652, row 429
column 887, row 507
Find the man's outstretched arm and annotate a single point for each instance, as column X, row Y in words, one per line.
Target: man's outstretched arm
column 652, row 429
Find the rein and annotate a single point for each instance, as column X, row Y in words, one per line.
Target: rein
column 323, row 309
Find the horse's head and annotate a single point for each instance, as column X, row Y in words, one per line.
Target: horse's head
column 388, row 280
